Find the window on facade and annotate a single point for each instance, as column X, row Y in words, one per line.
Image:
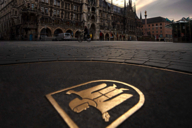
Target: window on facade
column 68, row 6
column 66, row 14
column 32, row 6
column 46, row 1
column 156, row 27
column 42, row 9
column 58, row 3
column 73, row 16
column 46, row 10
column 28, row 5
column 152, row 24
column 156, row 31
column 55, row 2
column 156, row 24
column 160, row 31
column 149, row 25
column 75, row 8
column 58, row 12
column 54, row 12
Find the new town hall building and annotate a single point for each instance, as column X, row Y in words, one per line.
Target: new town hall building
column 29, row 19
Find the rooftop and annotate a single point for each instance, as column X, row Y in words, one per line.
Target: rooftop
column 155, row 20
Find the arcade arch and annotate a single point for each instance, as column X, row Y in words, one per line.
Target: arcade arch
column 77, row 34
column 70, row 31
column 101, row 37
column 46, row 31
column 107, row 37
column 57, row 31
column 92, row 30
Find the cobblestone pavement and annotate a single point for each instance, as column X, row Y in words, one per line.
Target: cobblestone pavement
column 176, row 56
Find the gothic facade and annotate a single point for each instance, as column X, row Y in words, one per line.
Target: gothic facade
column 29, row 19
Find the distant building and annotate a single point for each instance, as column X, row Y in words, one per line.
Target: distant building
column 29, row 19
column 156, row 28
column 182, row 30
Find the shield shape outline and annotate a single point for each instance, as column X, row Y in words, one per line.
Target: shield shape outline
column 115, row 123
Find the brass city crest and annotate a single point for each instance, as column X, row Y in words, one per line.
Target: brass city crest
column 101, row 96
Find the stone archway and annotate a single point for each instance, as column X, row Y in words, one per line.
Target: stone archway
column 77, row 34
column 123, row 37
column 111, row 36
column 57, row 31
column 120, row 37
column 107, row 37
column 70, row 31
column 101, row 36
column 46, row 31
column 92, row 30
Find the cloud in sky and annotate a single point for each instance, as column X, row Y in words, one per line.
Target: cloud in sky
column 173, row 9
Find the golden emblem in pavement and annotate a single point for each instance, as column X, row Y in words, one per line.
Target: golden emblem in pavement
column 98, row 99
column 102, row 97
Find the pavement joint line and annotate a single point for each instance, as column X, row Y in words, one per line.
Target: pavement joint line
column 169, row 64
column 133, row 64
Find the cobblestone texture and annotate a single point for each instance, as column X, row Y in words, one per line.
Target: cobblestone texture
column 177, row 56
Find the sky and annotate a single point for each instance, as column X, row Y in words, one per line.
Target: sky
column 172, row 9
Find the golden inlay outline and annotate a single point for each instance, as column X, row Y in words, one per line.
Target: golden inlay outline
column 96, row 96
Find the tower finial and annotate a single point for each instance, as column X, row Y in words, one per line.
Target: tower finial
column 134, row 7
column 140, row 16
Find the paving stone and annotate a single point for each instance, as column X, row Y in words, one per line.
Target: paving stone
column 48, row 59
column 185, row 64
column 116, row 60
column 163, row 65
column 99, row 59
column 182, row 61
column 135, row 61
column 140, row 59
column 86, row 59
column 180, row 68
column 159, row 61
column 65, row 59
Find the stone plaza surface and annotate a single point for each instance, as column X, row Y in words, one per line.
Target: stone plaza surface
column 31, row 70
column 24, row 86
column 176, row 56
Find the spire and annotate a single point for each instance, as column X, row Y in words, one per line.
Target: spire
column 130, row 3
column 112, row 5
column 140, row 16
column 135, row 7
column 125, row 7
